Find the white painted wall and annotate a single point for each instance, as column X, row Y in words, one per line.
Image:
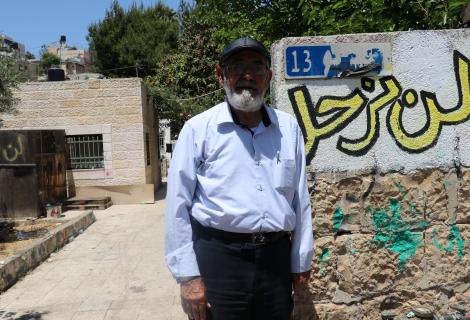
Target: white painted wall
column 421, row 60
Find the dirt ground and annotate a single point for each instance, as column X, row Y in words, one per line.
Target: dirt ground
column 14, row 238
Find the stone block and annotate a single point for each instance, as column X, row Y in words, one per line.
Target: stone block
column 106, row 128
column 107, row 138
column 323, row 278
column 324, row 199
column 93, row 84
column 107, row 147
column 121, row 83
column 462, row 212
column 85, row 94
column 446, row 261
column 127, row 110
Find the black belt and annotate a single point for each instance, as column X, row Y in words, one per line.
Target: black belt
column 257, row 238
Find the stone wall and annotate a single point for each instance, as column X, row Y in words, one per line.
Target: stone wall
column 118, row 109
column 389, row 158
column 389, row 242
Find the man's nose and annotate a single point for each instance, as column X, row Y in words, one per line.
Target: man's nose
column 247, row 74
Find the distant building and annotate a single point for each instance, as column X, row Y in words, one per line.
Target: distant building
column 73, row 60
column 32, row 69
column 13, row 49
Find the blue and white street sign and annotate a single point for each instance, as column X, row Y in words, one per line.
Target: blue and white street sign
column 338, row 60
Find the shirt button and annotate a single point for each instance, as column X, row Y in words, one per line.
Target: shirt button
column 258, row 163
column 259, row 187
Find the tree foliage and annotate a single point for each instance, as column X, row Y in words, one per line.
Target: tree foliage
column 271, row 20
column 140, row 36
column 265, row 20
column 210, row 24
column 10, row 77
column 48, row 60
column 182, row 77
column 29, row 55
column 326, row 17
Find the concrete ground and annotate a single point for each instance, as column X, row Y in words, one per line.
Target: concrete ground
column 114, row 270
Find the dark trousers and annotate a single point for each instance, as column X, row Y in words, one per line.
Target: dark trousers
column 246, row 281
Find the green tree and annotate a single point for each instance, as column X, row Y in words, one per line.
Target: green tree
column 29, row 55
column 353, row 16
column 128, row 42
column 184, row 83
column 208, row 26
column 47, row 61
column 271, row 20
column 10, row 77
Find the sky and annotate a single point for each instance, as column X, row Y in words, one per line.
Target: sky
column 41, row 22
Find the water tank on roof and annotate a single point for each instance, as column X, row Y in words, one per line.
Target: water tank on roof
column 55, row 74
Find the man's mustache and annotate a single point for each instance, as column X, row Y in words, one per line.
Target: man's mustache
column 245, row 84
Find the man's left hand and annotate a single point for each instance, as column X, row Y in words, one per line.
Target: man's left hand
column 300, row 280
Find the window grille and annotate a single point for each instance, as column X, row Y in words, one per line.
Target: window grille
column 161, row 141
column 147, row 146
column 86, row 151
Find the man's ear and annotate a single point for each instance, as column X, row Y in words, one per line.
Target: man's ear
column 269, row 76
column 219, row 72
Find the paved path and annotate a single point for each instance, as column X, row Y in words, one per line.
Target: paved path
column 114, row 270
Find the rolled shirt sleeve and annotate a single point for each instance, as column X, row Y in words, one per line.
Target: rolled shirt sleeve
column 179, row 253
column 302, row 237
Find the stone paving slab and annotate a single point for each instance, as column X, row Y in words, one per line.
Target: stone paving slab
column 114, row 270
column 71, row 224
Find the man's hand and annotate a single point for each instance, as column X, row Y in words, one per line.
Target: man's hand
column 193, row 299
column 300, row 280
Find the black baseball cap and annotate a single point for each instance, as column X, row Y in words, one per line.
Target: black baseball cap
column 240, row 44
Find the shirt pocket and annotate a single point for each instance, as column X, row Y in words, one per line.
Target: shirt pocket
column 284, row 174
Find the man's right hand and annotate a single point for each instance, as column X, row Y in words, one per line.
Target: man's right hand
column 193, row 299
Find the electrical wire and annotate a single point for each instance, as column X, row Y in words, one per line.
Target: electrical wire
column 197, row 97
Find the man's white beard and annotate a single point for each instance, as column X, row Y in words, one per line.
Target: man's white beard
column 244, row 101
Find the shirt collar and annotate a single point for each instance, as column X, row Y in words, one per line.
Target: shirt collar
column 227, row 114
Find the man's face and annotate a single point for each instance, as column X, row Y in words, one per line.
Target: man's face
column 245, row 77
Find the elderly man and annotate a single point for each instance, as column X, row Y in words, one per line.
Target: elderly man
column 238, row 217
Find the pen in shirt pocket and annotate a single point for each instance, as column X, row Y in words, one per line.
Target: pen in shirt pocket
column 278, row 154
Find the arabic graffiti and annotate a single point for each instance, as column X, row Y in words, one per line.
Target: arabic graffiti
column 13, row 151
column 344, row 109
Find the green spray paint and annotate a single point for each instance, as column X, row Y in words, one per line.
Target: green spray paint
column 338, row 218
column 393, row 233
column 411, row 206
column 325, row 255
column 454, row 238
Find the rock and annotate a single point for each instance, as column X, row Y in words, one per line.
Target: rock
column 423, row 313
column 388, row 315
column 342, row 297
column 458, row 307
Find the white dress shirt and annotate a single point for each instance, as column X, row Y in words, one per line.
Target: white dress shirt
column 237, row 179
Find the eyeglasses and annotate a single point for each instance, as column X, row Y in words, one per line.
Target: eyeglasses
column 237, row 69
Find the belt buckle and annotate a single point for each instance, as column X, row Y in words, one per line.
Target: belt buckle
column 258, row 238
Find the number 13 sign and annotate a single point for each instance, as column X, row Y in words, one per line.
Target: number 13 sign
column 330, row 60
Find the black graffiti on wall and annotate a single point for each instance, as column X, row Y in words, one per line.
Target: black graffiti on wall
column 342, row 110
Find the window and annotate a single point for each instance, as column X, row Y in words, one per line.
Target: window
column 86, row 151
column 161, row 140
column 147, row 146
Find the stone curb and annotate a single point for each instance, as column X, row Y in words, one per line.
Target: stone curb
column 30, row 257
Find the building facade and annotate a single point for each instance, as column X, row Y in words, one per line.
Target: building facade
column 13, row 49
column 111, row 132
